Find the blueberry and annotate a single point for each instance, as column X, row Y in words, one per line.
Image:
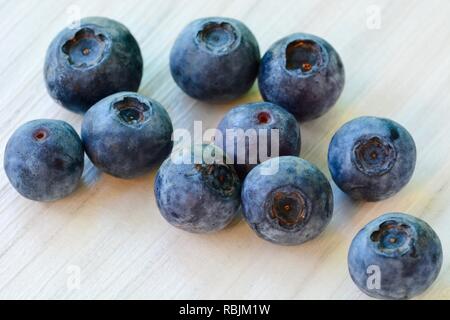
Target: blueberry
column 396, row 256
column 215, row 59
column 199, row 196
column 371, row 158
column 44, row 160
column 92, row 61
column 302, row 73
column 287, row 200
column 257, row 119
column 126, row 134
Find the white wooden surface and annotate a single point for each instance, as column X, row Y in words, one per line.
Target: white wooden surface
column 110, row 234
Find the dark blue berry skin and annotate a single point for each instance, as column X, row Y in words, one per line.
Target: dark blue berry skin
column 405, row 251
column 215, row 59
column 289, row 207
column 126, row 134
column 302, row 73
column 44, row 160
column 258, row 116
column 92, row 61
column 371, row 158
column 201, row 197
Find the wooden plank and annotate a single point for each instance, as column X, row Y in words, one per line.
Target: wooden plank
column 110, row 231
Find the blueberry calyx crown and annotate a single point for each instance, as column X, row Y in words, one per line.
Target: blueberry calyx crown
column 287, row 207
column 217, row 37
column 394, row 238
column 86, row 48
column 132, row 111
column 304, row 56
column 374, row 156
column 219, row 177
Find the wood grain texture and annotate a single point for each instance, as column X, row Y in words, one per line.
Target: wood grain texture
column 110, row 230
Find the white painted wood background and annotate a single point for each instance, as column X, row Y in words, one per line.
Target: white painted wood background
column 110, row 233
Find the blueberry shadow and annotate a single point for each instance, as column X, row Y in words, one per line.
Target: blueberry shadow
column 90, row 173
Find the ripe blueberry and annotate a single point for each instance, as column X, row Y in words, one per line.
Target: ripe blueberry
column 302, row 73
column 215, row 59
column 287, row 200
column 92, row 61
column 126, row 134
column 371, row 158
column 44, row 160
column 245, row 127
column 396, row 256
column 199, row 196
